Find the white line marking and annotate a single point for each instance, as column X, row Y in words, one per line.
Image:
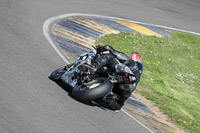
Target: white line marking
column 134, row 98
column 46, row 33
column 137, row 121
column 51, row 20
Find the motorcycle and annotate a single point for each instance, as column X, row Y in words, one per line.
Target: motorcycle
column 87, row 83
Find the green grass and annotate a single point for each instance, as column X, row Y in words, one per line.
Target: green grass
column 171, row 72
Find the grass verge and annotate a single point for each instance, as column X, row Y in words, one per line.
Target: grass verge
column 171, row 72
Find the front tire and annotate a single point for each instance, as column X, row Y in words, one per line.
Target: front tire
column 56, row 74
column 95, row 89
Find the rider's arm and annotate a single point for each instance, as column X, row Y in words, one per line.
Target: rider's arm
column 119, row 55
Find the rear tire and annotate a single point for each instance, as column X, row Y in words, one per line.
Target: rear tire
column 95, row 89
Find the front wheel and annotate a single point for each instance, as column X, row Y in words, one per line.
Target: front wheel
column 97, row 88
column 56, row 74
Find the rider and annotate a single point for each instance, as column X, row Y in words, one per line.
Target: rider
column 128, row 69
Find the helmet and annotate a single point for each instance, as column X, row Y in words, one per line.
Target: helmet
column 135, row 56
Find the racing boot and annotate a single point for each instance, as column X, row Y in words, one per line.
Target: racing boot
column 111, row 101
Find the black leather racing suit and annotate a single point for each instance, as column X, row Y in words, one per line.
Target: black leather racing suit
column 121, row 63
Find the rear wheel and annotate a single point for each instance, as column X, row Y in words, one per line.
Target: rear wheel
column 94, row 89
column 56, row 74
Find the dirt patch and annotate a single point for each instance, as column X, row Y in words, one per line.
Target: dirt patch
column 157, row 111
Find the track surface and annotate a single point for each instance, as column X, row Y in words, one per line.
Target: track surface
column 29, row 101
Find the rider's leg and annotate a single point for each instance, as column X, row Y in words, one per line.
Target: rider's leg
column 125, row 91
column 101, row 61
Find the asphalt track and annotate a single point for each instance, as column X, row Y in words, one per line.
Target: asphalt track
column 29, row 101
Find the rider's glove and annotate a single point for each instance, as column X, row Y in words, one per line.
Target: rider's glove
column 101, row 48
